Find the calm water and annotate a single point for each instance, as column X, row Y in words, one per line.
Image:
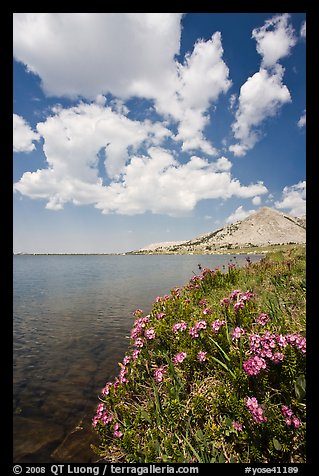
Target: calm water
column 72, row 316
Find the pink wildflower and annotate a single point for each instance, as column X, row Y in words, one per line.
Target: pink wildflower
column 237, row 333
column 224, row 302
column 262, row 319
column 160, row 315
column 126, row 360
column 233, row 295
column 139, row 342
column 117, row 433
column 296, row 422
column 106, row 390
column 297, row 341
column 193, row 332
column 179, row 326
column 255, row 410
column 290, row 418
column 239, row 305
column 150, row 334
column 122, row 374
column 277, row 357
column 254, row 365
column 216, row 325
column 203, row 302
column 135, row 354
column 200, row 325
column 207, row 311
column 137, row 331
column 247, row 296
column 178, row 358
column 281, row 340
column 237, row 426
column 201, row 356
column 159, row 373
column 101, row 416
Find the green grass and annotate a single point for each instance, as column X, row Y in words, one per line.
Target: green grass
column 197, row 411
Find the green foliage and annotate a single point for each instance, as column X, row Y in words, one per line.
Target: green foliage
column 214, row 374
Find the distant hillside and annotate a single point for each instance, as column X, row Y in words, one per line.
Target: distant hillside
column 264, row 227
column 154, row 246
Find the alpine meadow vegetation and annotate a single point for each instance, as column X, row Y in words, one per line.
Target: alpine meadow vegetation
column 216, row 371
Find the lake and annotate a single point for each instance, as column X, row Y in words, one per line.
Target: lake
column 72, row 316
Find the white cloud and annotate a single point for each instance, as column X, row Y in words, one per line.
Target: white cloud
column 303, row 30
column 302, row 121
column 294, row 199
column 155, row 182
column 239, row 214
column 274, row 39
column 23, row 135
column 232, row 101
column 261, row 96
column 73, row 137
column 256, row 200
column 87, row 54
column 200, row 81
column 126, row 54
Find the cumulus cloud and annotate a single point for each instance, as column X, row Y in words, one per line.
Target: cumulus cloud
column 126, row 54
column 302, row 121
column 87, row 54
column 239, row 214
column 274, row 39
column 264, row 93
column 200, row 80
column 261, row 96
column 23, row 135
column 303, row 30
column 232, row 101
column 256, row 200
column 154, row 181
column 293, row 199
column 73, row 137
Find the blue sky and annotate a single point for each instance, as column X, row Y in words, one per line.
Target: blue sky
column 130, row 129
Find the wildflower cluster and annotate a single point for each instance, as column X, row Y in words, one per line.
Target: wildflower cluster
column 179, row 326
column 255, row 409
column 231, row 375
column 216, row 325
column 290, row 418
column 103, row 417
column 254, row 365
column 239, row 298
column 194, row 331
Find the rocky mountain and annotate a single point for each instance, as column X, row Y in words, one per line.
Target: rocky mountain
column 264, row 227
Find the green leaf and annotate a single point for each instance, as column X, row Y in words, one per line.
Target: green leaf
column 199, row 460
column 228, row 422
column 300, row 387
column 220, row 348
column 277, row 445
column 221, row 458
column 224, row 366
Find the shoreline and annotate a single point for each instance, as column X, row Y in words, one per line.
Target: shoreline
column 236, row 251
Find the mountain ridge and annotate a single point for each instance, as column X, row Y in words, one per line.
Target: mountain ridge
column 265, row 226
